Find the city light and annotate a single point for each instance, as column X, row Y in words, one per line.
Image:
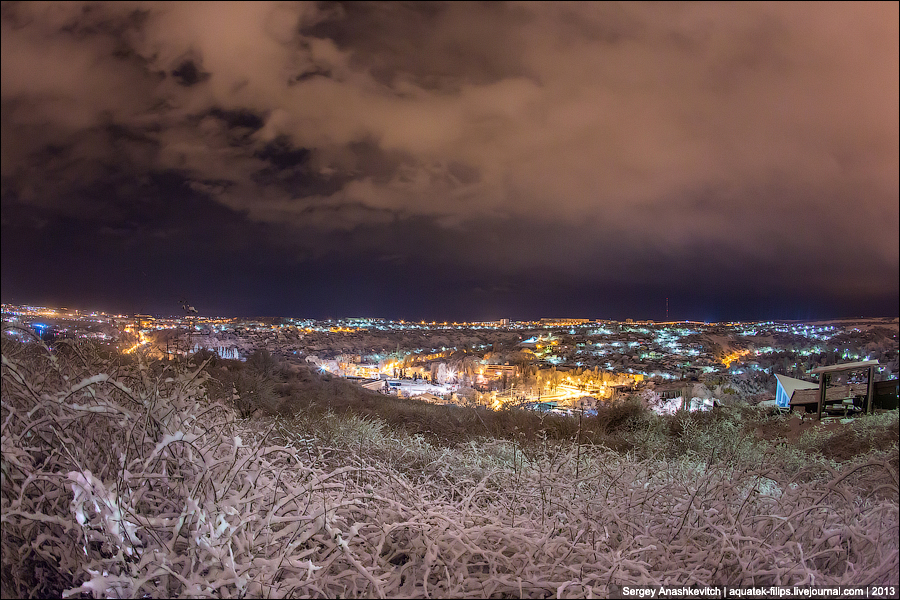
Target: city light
column 541, row 365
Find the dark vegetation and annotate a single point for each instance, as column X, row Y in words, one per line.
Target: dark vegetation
column 268, row 386
column 127, row 477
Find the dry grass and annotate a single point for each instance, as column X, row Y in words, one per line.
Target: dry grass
column 122, row 479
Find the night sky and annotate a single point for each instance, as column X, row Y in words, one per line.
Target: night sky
column 452, row 161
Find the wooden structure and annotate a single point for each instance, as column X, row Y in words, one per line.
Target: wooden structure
column 844, row 394
column 885, row 394
column 808, row 399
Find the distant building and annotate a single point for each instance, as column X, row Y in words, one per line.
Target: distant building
column 498, row 371
column 618, row 390
column 545, row 406
column 546, row 322
column 430, row 398
column 670, row 391
column 363, row 321
column 376, row 385
column 143, row 321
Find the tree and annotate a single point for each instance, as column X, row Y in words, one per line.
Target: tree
column 263, row 362
column 253, row 387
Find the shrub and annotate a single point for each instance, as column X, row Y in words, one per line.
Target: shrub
column 123, row 478
column 620, row 415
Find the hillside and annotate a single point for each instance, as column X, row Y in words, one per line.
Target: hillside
column 124, row 477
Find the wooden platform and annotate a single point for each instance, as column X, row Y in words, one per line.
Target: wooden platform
column 808, row 400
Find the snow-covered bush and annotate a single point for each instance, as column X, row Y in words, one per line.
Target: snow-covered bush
column 122, row 479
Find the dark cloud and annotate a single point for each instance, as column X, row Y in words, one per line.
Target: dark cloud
column 188, row 73
column 470, row 157
column 431, row 45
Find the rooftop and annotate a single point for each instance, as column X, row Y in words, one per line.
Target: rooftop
column 845, row 366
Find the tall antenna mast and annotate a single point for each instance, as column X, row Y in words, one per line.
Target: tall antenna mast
column 667, row 308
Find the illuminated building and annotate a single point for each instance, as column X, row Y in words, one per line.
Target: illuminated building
column 546, row 322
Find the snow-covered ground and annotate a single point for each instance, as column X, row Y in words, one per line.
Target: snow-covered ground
column 671, row 406
column 408, row 387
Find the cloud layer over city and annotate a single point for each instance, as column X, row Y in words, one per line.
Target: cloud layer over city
column 453, row 160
